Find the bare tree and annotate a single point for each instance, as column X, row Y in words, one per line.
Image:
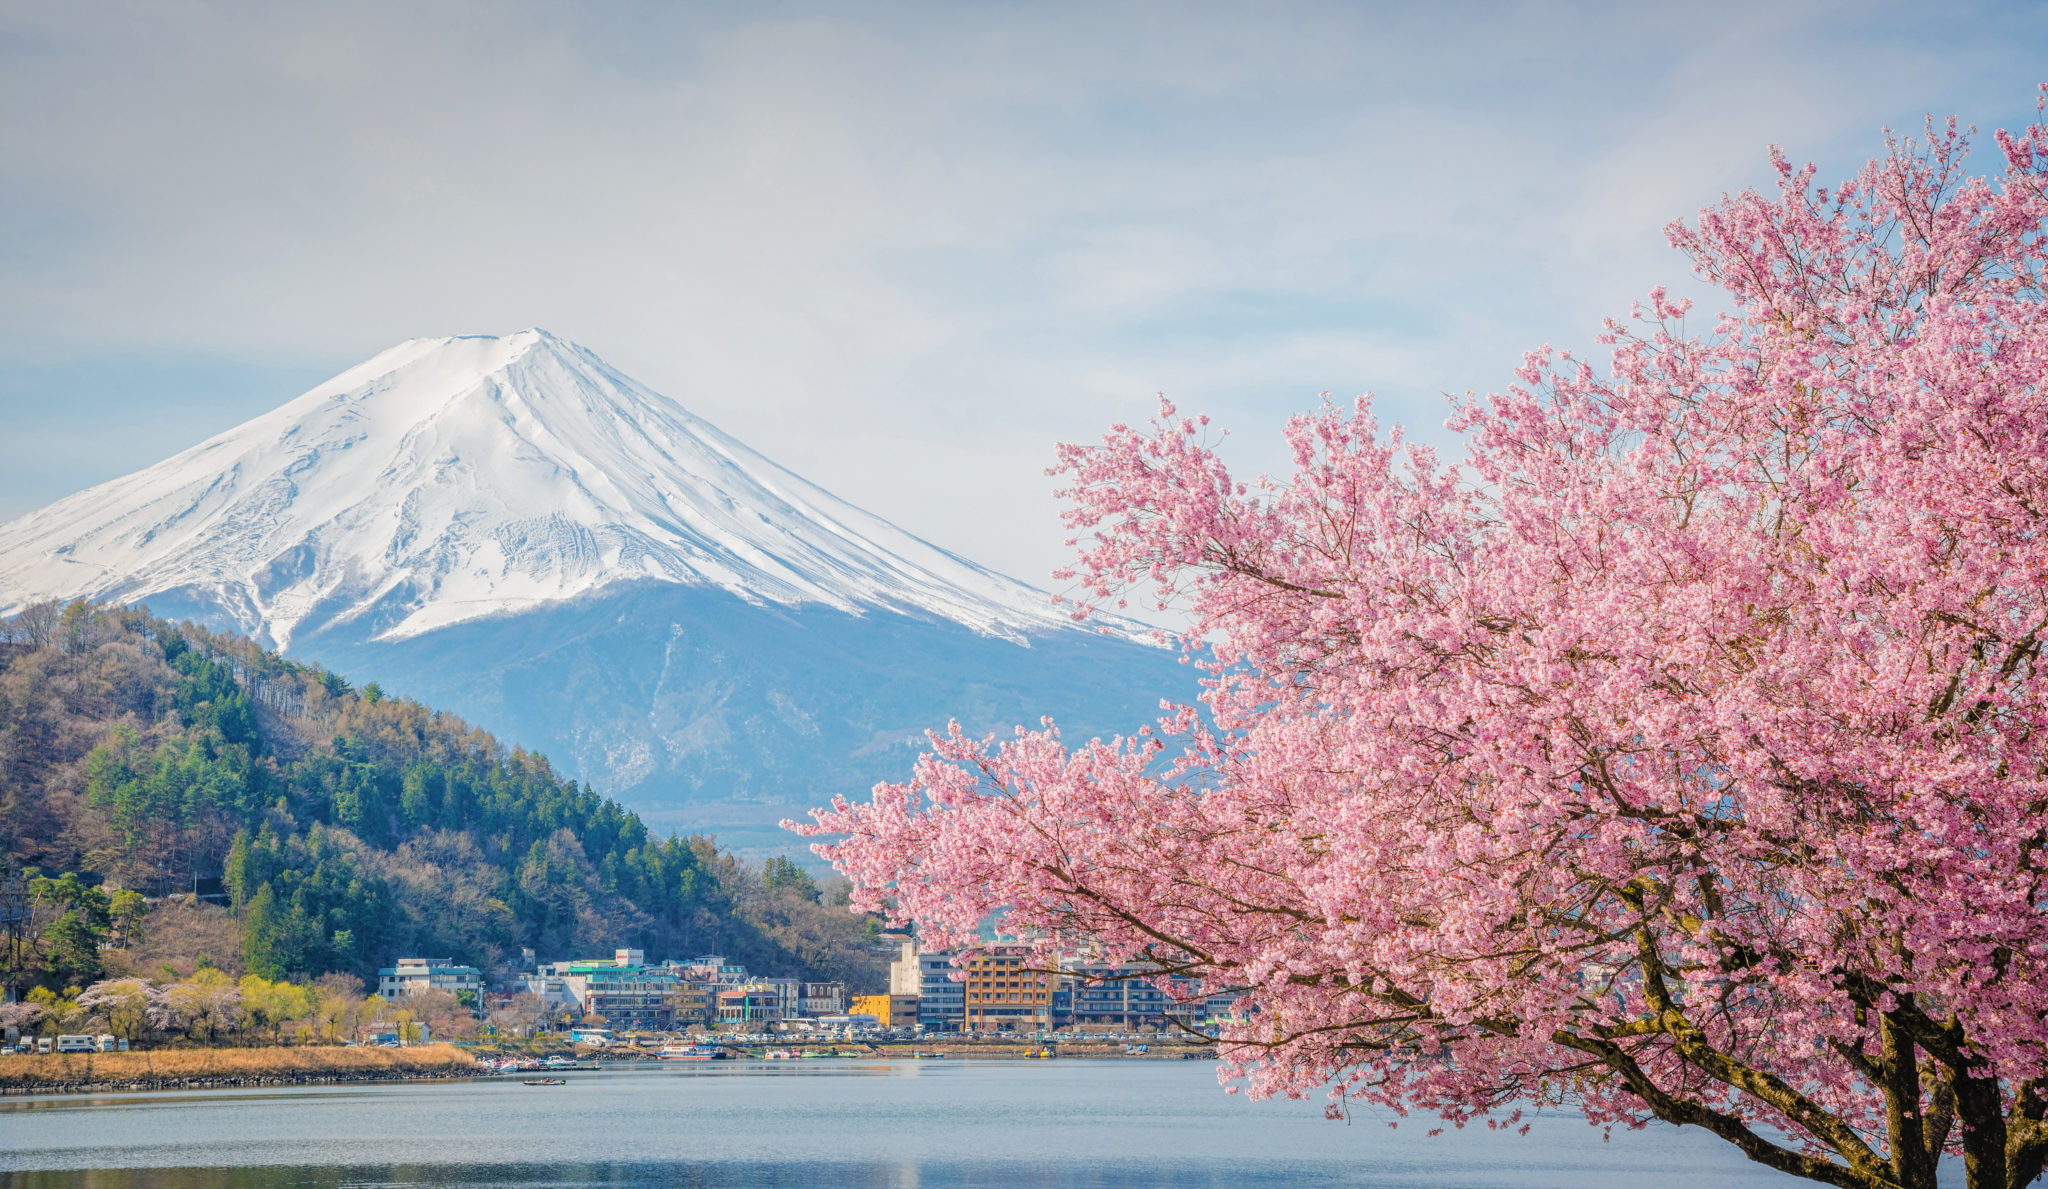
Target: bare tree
column 38, row 624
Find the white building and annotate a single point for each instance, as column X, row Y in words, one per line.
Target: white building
column 824, row 999
column 711, row 968
column 412, row 975
column 928, row 974
column 552, row 988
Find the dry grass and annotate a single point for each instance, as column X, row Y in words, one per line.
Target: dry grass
column 76, row 1068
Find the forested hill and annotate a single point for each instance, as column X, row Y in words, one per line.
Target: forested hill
column 346, row 828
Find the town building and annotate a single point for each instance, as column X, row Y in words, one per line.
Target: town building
column 928, row 974
column 1116, row 996
column 1218, row 1009
column 789, row 995
column 551, row 988
column 692, row 1003
column 1129, row 996
column 631, row 995
column 712, row 968
column 1004, row 993
column 750, row 1007
column 889, row 1011
column 627, row 993
column 823, row 999
column 413, row 975
column 903, row 979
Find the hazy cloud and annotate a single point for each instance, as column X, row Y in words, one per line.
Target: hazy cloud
column 902, row 249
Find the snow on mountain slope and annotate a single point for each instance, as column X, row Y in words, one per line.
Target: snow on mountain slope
column 451, row 479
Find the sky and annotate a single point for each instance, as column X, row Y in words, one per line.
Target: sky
column 902, row 249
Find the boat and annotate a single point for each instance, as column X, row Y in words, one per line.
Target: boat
column 676, row 1050
column 543, row 1081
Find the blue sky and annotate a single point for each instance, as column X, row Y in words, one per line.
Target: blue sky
column 901, row 248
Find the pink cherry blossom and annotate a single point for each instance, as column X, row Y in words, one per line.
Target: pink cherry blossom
column 1677, row 755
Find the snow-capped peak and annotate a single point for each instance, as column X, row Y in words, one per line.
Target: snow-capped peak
column 454, row 478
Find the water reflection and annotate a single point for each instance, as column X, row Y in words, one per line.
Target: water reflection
column 885, row 1125
column 678, row 1176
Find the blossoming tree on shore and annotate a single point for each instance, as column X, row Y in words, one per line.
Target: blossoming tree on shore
column 1680, row 756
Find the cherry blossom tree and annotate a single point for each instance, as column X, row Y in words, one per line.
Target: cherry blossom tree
column 21, row 1016
column 1677, row 756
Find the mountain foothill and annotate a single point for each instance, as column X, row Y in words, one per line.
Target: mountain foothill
column 261, row 814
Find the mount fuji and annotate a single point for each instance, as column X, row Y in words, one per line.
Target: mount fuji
column 510, row 528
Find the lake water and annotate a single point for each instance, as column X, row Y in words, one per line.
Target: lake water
column 880, row 1124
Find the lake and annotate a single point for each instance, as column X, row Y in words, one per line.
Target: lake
column 867, row 1123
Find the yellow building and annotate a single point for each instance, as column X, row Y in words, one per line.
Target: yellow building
column 890, row 1011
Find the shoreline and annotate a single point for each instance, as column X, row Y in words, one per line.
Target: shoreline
column 227, row 1069
column 234, row 1082
column 217, row 1069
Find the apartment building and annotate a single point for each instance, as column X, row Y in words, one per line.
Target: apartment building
column 1127, row 996
column 1004, row 994
column 928, row 974
column 692, row 1003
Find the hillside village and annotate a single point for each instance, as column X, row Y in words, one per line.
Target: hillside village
column 211, row 844
column 992, row 992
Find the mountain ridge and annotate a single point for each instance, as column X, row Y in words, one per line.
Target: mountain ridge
column 512, row 530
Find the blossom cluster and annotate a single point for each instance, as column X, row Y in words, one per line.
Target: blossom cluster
column 1678, row 753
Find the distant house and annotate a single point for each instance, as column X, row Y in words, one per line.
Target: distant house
column 413, row 975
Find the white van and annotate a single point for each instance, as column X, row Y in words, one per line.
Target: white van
column 105, row 1044
column 77, row 1044
column 42, row 1044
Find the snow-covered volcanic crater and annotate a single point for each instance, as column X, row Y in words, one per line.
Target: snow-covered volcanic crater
column 512, row 529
